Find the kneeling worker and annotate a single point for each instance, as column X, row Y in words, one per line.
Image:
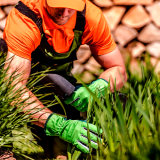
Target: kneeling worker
column 50, row 32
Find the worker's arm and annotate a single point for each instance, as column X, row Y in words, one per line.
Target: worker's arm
column 114, row 68
column 23, row 67
column 72, row 131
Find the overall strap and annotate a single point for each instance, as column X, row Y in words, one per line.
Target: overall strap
column 21, row 7
column 80, row 21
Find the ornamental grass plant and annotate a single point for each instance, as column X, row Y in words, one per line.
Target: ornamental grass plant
column 15, row 135
column 130, row 121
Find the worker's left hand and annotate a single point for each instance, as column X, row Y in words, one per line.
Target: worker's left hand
column 80, row 97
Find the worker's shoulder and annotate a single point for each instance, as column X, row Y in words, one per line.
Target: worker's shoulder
column 34, row 5
column 93, row 13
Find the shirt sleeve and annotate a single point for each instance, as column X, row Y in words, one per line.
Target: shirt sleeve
column 98, row 35
column 21, row 34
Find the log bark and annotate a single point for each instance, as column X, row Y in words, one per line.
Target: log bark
column 113, row 16
column 136, row 17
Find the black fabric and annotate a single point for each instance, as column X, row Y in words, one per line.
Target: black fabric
column 3, row 46
column 81, row 21
column 47, row 61
column 21, row 7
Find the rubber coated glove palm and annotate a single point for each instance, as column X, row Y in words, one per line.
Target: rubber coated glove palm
column 80, row 98
column 72, row 131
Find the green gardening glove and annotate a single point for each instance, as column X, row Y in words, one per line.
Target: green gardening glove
column 80, row 97
column 72, row 131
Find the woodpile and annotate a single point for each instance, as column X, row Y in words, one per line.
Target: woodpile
column 134, row 24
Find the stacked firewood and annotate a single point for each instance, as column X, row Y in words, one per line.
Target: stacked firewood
column 135, row 27
column 134, row 24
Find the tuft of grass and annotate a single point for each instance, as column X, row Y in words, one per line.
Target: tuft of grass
column 130, row 132
column 13, row 121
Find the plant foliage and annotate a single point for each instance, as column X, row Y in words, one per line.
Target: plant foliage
column 130, row 121
column 12, row 115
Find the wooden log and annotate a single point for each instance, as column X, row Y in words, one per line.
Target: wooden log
column 93, row 62
column 2, row 14
column 154, row 11
column 78, row 68
column 84, row 46
column 125, row 54
column 135, row 67
column 113, row 16
column 103, row 3
column 1, row 34
column 149, row 34
column 132, row 2
column 136, row 17
column 154, row 49
column 136, row 48
column 124, row 34
column 87, row 77
column 156, row 64
column 3, row 23
column 7, row 9
column 83, row 54
column 8, row 2
column 93, row 67
column 112, row 33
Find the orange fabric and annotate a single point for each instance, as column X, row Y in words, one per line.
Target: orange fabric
column 23, row 36
column 73, row 4
column 59, row 36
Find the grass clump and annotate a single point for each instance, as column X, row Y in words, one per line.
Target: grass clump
column 14, row 134
column 133, row 131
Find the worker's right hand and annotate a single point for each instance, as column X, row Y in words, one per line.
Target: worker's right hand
column 80, row 97
column 72, row 131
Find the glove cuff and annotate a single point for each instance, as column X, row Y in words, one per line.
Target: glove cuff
column 53, row 125
column 105, row 81
column 45, row 125
column 100, row 79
